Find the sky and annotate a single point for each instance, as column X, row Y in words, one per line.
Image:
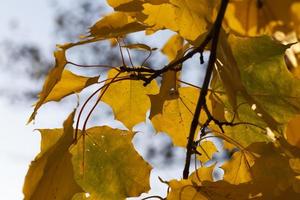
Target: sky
column 19, row 143
column 31, row 20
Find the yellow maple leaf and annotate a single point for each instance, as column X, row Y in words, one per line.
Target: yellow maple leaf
column 129, row 99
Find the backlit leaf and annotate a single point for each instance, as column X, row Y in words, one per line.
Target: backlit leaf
column 256, row 17
column 177, row 115
column 69, row 84
column 220, row 190
column 114, row 25
column 206, row 149
column 159, row 16
column 237, row 169
column 111, row 168
column 292, row 131
column 50, row 175
column 191, row 17
column 169, row 85
column 263, row 97
column 203, row 174
column 129, row 99
column 126, row 5
column 51, row 80
column 261, row 62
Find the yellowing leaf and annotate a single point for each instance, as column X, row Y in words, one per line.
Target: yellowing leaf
column 203, row 174
column 295, row 15
column 169, row 85
column 252, row 18
column 159, row 17
column 293, row 131
column 271, row 170
column 69, row 84
column 261, row 62
column 207, row 150
column 237, row 169
column 167, row 91
column 111, row 168
column 173, row 48
column 51, row 80
column 191, row 17
column 177, row 115
column 116, row 24
column 249, row 128
column 126, row 5
column 295, row 164
column 129, row 99
column 184, row 190
column 264, row 99
column 220, row 190
column 50, row 175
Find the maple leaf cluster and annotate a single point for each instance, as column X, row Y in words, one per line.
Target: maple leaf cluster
column 250, row 99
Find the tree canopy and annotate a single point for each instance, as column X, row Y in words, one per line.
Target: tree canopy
column 249, row 99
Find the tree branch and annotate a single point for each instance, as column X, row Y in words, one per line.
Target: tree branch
column 201, row 100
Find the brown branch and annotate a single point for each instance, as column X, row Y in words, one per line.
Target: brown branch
column 214, row 36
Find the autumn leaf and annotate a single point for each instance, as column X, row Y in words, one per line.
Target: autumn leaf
column 129, row 99
column 192, row 16
column 252, row 18
column 272, row 174
column 292, row 131
column 203, row 174
column 160, row 16
column 207, row 190
column 206, row 149
column 111, row 168
column 69, row 84
column 177, row 114
column 263, row 98
column 173, row 48
column 260, row 61
column 237, row 169
column 52, row 163
column 115, row 25
column 169, row 84
column 51, row 80
column 184, row 190
column 126, row 5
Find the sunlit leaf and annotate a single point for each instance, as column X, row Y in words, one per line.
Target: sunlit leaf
column 256, row 17
column 206, row 149
column 261, row 61
column 221, row 190
column 51, row 80
column 237, row 169
column 203, row 174
column 177, row 115
column 263, row 98
column 116, row 24
column 159, row 16
column 169, row 85
column 191, row 17
column 50, row 175
column 174, row 47
column 129, row 99
column 126, row 5
column 69, row 84
column 111, row 168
